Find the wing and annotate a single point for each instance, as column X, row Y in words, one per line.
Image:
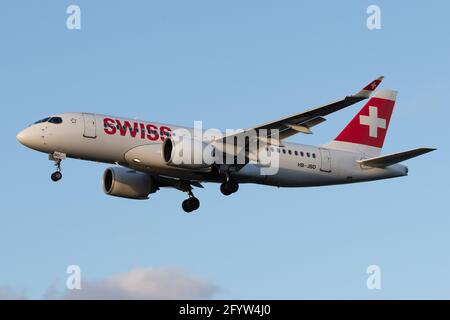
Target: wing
column 304, row 121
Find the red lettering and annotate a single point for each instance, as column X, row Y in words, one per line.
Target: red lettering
column 123, row 131
column 127, row 127
column 153, row 132
column 149, row 131
column 165, row 131
column 109, row 126
column 142, row 128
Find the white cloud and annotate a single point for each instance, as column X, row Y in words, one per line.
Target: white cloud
column 138, row 283
column 7, row 293
column 143, row 283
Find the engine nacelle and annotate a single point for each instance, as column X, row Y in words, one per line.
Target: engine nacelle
column 187, row 153
column 147, row 155
column 127, row 183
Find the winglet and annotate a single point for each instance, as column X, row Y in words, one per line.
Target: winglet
column 367, row 90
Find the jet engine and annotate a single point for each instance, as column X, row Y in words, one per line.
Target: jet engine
column 187, row 153
column 127, row 183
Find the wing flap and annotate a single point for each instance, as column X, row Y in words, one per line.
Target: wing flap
column 305, row 127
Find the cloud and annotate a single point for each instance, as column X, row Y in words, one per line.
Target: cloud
column 7, row 293
column 138, row 284
column 141, row 283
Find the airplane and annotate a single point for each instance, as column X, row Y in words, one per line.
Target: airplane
column 143, row 152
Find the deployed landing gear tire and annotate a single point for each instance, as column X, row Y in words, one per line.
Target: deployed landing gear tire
column 224, row 190
column 56, row 176
column 57, row 157
column 191, row 204
column 229, row 187
column 185, row 206
column 194, row 203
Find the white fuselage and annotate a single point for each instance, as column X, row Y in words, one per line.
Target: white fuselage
column 86, row 136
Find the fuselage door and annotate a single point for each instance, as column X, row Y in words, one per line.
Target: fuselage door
column 90, row 130
column 325, row 160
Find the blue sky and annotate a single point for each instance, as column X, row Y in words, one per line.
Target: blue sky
column 231, row 64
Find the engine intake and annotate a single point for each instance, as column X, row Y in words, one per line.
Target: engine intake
column 187, row 153
column 127, row 183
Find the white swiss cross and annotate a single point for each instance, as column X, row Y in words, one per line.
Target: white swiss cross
column 373, row 122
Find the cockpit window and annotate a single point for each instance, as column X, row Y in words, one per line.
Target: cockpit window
column 55, row 120
column 43, row 120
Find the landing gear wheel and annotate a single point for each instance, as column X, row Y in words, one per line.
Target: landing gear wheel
column 234, row 186
column 56, row 176
column 194, row 203
column 229, row 187
column 190, row 204
column 57, row 157
column 224, row 189
column 185, row 206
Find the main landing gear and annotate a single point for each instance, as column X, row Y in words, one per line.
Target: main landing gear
column 228, row 187
column 57, row 157
column 191, row 203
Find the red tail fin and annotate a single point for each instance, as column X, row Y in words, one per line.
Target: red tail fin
column 368, row 128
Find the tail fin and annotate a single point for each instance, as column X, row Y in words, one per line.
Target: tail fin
column 367, row 130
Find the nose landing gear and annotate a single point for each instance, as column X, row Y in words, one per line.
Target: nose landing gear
column 56, row 176
column 57, row 157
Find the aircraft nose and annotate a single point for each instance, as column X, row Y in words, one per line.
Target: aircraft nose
column 28, row 137
column 22, row 137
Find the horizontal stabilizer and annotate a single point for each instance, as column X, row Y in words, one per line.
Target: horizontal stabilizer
column 390, row 159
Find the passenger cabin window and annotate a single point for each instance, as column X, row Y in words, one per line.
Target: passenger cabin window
column 55, row 120
column 302, row 154
column 290, row 151
column 308, row 155
column 314, row 155
column 296, row 152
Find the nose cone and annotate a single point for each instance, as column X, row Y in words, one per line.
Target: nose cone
column 23, row 137
column 30, row 138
